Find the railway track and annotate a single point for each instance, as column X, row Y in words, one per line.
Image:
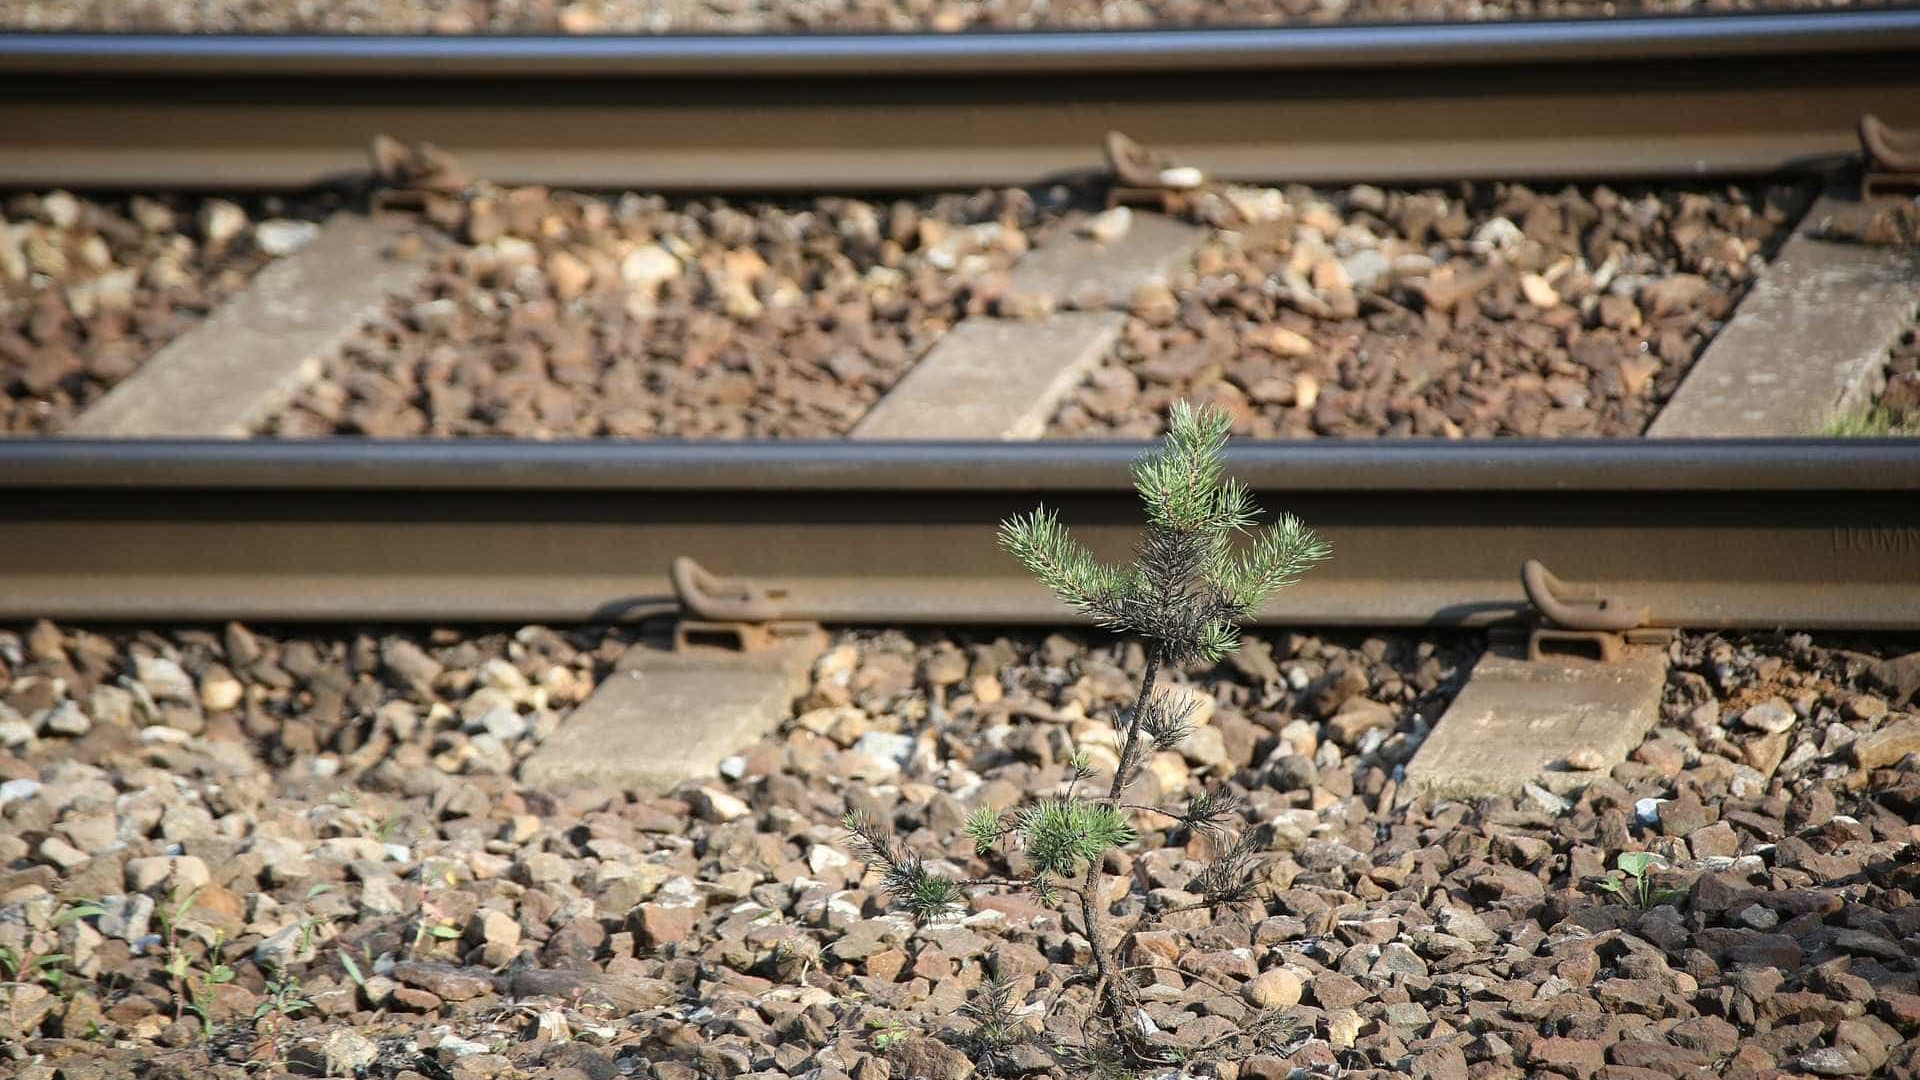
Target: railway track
column 469, row 787
column 1731, row 533
column 1715, row 95
column 1740, row 533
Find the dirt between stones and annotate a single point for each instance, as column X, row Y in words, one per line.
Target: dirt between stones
column 335, row 818
column 1493, row 310
column 89, row 288
column 742, row 16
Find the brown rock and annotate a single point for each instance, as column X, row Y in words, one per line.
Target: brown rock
column 1709, row 1035
column 1665, row 1058
column 445, row 981
column 1579, row 1058
column 1276, row 988
column 920, row 1058
column 1265, row 1067
column 1356, row 717
column 1332, row 990
column 1902, row 1010
column 886, row 965
column 654, row 925
column 1445, row 1062
column 627, row 993
column 1671, row 294
column 415, row 1000
column 1879, row 749
column 1715, row 839
column 1506, row 883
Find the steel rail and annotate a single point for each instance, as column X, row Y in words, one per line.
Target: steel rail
column 1040, row 52
column 1801, row 533
column 1727, row 94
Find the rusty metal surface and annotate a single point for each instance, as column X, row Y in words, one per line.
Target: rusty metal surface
column 1796, row 533
column 1630, row 97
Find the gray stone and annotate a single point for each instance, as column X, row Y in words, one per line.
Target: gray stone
column 1772, row 715
column 285, row 948
column 164, row 679
column 346, row 1052
column 1464, row 924
column 280, row 236
column 1366, row 267
column 127, row 917
column 14, row 790
column 888, row 749
column 1152, row 249
column 65, row 718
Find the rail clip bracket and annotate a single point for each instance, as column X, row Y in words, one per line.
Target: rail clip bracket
column 1891, row 158
column 1142, row 177
column 1577, row 620
column 730, row 613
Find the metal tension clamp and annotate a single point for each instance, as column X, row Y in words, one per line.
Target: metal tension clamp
column 1574, row 619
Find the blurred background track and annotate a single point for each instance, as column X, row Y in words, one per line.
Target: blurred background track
column 1638, row 97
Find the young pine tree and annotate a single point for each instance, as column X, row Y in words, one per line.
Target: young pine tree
column 1201, row 568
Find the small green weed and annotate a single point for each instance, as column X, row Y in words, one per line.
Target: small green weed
column 1632, row 880
column 192, row 987
column 889, row 1034
column 1873, row 422
column 284, row 1000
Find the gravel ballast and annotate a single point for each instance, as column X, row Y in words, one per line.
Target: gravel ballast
column 1897, row 409
column 559, row 315
column 1491, row 310
column 89, row 288
column 339, row 813
column 454, row 17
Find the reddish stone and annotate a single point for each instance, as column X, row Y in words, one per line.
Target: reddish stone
column 414, row 1000
column 1628, row 1072
column 1899, row 1009
column 1440, row 1063
column 1579, row 1058
column 886, row 964
column 1661, row 1057
column 1332, row 990
column 1708, row 1034
column 1750, row 1063
column 654, row 925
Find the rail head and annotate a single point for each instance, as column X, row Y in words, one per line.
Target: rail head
column 1356, row 466
column 829, row 55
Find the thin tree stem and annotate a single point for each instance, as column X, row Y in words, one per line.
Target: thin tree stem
column 1096, row 934
column 1089, row 888
column 1156, row 653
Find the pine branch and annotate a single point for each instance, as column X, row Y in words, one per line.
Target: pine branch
column 1167, row 720
column 1280, row 554
column 1066, row 567
column 924, row 894
column 1228, row 877
column 1177, row 481
column 984, row 829
column 1062, row 835
column 1209, row 810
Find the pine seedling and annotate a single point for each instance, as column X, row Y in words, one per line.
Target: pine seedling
column 1202, row 566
